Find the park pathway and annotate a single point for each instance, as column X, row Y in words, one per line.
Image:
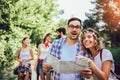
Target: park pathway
column 32, row 65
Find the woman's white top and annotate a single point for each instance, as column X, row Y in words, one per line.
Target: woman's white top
column 25, row 55
column 43, row 51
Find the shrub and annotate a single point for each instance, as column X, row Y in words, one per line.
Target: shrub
column 116, row 54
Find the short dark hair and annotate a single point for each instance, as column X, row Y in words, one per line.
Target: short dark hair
column 61, row 29
column 74, row 18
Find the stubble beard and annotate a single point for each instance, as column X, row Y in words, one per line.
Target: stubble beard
column 76, row 38
column 59, row 36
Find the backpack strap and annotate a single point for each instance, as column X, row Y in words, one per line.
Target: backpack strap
column 117, row 76
column 101, row 54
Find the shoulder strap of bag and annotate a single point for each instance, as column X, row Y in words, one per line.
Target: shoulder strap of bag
column 101, row 54
column 117, row 76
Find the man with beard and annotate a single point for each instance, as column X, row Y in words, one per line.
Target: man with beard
column 66, row 49
column 61, row 32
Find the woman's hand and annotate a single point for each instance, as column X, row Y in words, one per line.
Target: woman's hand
column 46, row 67
column 80, row 57
column 26, row 60
column 86, row 72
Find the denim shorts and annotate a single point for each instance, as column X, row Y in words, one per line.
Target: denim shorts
column 40, row 70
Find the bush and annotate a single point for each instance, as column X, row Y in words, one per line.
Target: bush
column 115, row 52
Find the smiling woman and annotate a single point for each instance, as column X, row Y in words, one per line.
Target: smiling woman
column 101, row 65
column 24, row 55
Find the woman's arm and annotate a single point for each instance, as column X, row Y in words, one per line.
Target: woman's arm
column 101, row 74
column 32, row 55
column 39, row 50
column 104, row 73
column 17, row 55
column 37, row 57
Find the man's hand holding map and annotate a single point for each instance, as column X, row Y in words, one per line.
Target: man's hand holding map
column 67, row 66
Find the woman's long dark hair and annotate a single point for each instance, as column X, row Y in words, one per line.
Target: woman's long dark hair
column 48, row 34
column 24, row 39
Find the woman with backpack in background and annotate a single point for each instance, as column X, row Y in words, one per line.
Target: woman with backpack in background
column 101, row 60
column 24, row 56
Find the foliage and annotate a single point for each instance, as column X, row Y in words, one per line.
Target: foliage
column 90, row 22
column 61, row 23
column 21, row 18
column 106, row 12
column 115, row 52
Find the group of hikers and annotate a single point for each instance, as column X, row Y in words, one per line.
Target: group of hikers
column 69, row 48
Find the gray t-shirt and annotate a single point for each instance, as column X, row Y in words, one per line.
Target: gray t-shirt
column 106, row 55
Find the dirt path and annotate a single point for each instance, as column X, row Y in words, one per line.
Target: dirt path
column 33, row 71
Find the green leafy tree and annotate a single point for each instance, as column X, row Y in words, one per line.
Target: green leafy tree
column 21, row 18
column 90, row 22
column 60, row 23
column 106, row 11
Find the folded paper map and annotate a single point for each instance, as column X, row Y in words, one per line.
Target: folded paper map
column 67, row 66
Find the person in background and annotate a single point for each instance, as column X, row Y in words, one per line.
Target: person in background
column 101, row 60
column 24, row 56
column 66, row 49
column 61, row 32
column 43, row 49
